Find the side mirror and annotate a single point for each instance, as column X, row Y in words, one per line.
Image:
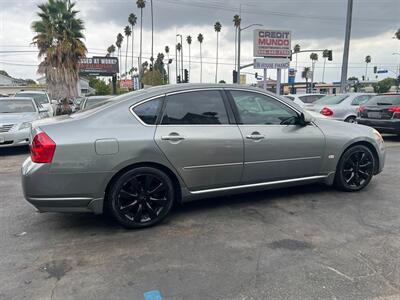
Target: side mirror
column 305, row 119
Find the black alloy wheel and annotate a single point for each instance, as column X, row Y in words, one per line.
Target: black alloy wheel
column 355, row 169
column 141, row 197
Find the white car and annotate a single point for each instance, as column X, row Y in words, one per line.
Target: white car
column 304, row 100
column 41, row 99
column 16, row 115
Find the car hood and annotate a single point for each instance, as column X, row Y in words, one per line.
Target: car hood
column 333, row 127
column 11, row 118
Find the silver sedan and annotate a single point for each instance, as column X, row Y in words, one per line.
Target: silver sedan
column 139, row 153
column 16, row 115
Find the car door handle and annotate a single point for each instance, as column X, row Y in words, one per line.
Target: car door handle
column 254, row 136
column 172, row 137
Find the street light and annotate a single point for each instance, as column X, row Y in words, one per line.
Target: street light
column 239, row 41
column 181, row 53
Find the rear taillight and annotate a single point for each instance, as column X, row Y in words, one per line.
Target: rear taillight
column 361, row 109
column 394, row 109
column 326, row 112
column 42, row 148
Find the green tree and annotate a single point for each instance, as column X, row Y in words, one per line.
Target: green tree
column 128, row 32
column 217, row 28
column 59, row 38
column 236, row 23
column 2, row 72
column 30, row 82
column 141, row 4
column 189, row 41
column 397, row 34
column 152, row 77
column 384, row 85
column 304, row 75
column 132, row 21
column 200, row 38
column 367, row 61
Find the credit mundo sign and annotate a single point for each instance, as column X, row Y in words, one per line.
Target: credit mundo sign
column 272, row 43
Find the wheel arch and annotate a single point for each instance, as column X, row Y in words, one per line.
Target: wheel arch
column 370, row 146
column 161, row 167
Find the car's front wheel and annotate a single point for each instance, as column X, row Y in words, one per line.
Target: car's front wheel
column 351, row 119
column 141, row 197
column 355, row 169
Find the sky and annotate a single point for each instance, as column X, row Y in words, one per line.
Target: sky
column 315, row 24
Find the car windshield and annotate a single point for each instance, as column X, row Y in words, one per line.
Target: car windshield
column 331, row 99
column 384, row 100
column 16, row 106
column 39, row 98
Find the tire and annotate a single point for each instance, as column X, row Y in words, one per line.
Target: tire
column 141, row 197
column 350, row 119
column 355, row 169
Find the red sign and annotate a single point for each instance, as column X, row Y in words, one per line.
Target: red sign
column 272, row 43
column 126, row 83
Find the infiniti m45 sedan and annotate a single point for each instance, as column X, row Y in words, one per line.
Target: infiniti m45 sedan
column 138, row 154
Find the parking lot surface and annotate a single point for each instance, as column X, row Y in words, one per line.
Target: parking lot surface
column 309, row 242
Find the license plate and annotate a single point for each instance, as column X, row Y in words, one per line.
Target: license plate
column 374, row 115
column 1, row 140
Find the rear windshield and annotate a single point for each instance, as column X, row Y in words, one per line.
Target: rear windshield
column 90, row 102
column 16, row 106
column 384, row 100
column 331, row 99
column 310, row 98
column 39, row 98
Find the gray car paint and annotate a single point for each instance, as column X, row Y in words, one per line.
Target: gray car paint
column 207, row 163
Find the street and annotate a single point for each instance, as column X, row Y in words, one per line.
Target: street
column 309, row 242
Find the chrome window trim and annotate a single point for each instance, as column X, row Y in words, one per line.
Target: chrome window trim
column 260, row 184
column 141, row 102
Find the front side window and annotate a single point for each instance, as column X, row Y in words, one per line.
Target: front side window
column 200, row 107
column 148, row 111
column 269, row 111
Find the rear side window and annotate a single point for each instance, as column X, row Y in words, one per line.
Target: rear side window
column 384, row 100
column 361, row 99
column 200, row 107
column 290, row 98
column 310, row 98
column 148, row 111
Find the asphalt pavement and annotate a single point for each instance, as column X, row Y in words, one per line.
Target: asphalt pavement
column 309, row 242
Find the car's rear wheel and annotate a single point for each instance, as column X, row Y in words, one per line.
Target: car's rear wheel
column 141, row 197
column 351, row 119
column 355, row 169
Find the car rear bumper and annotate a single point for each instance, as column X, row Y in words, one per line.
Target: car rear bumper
column 49, row 192
column 383, row 126
column 15, row 138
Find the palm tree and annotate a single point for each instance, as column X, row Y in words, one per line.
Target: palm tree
column 118, row 43
column 59, row 35
column 236, row 23
column 189, row 41
column 397, row 34
column 152, row 31
column 112, row 48
column 325, row 54
column 314, row 58
column 200, row 38
column 217, row 28
column 128, row 33
column 132, row 21
column 367, row 61
column 296, row 50
column 167, row 52
column 141, row 4
column 304, row 75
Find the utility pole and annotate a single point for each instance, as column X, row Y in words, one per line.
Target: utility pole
column 345, row 61
column 176, row 63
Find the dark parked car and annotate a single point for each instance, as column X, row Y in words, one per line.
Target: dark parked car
column 382, row 113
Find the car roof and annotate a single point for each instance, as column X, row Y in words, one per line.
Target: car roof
column 16, row 98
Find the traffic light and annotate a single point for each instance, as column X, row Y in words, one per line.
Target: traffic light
column 363, row 78
column 186, row 76
column 375, row 69
column 234, row 76
column 178, row 79
column 256, row 75
column 330, row 55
